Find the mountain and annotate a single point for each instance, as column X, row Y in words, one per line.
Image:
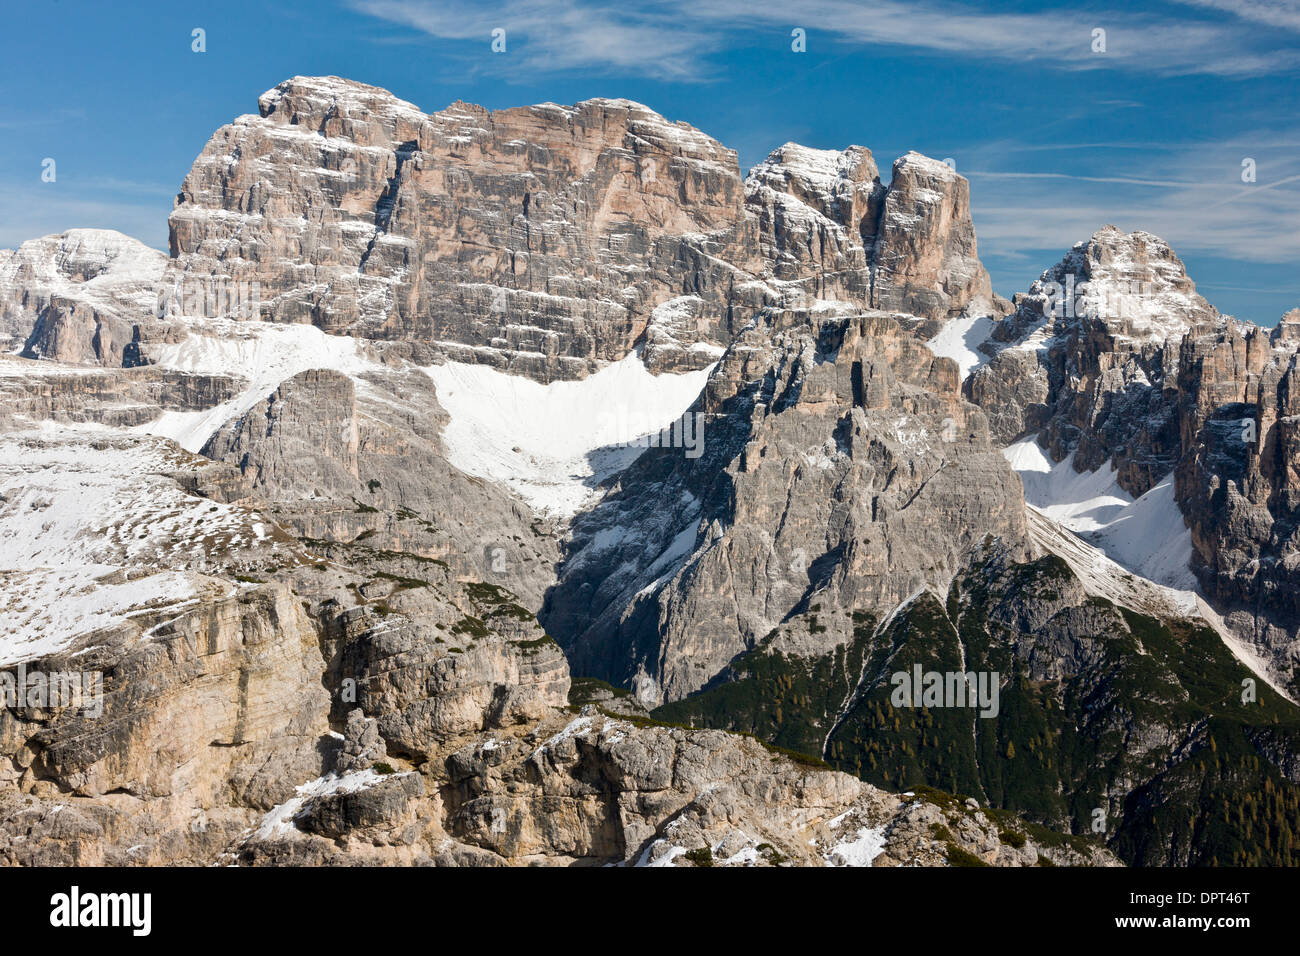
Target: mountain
column 532, row 487
column 76, row 297
column 1189, row 409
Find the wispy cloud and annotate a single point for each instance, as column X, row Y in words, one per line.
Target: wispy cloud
column 676, row 39
column 1190, row 194
column 1123, row 180
column 563, row 35
column 1274, row 13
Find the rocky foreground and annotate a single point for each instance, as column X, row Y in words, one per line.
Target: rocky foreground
column 265, row 705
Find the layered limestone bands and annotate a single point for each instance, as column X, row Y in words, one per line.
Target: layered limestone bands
column 547, row 239
column 842, row 470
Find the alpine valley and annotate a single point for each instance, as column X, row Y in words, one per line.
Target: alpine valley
column 535, row 487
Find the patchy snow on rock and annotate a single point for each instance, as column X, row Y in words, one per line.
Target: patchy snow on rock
column 102, row 267
column 280, row 821
column 857, row 849
column 553, row 444
column 93, row 532
column 264, row 353
column 667, row 859
column 1146, row 535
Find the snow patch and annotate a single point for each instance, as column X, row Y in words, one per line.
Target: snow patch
column 960, row 339
column 861, row 849
column 1145, row 535
column 553, row 444
column 280, row 821
column 264, row 353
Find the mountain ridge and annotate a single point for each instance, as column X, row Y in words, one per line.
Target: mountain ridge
column 852, row 506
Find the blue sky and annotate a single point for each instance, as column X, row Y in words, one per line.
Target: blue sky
column 1056, row 138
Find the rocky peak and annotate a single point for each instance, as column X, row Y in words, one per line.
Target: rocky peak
column 76, row 296
column 1086, row 356
column 542, row 239
column 1130, row 287
column 817, row 212
column 841, row 186
column 925, row 259
column 538, row 239
column 1288, row 328
column 334, row 107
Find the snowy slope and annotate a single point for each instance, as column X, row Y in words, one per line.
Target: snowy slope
column 553, row 443
column 263, row 353
column 1106, row 578
column 1134, row 552
column 1146, row 535
column 101, row 267
column 960, row 339
column 93, row 532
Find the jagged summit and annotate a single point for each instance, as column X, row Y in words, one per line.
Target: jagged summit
column 546, row 240
column 822, row 165
column 300, row 98
column 912, row 160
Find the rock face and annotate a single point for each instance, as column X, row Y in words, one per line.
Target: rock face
column 841, row 469
column 44, row 391
column 444, row 660
column 361, row 464
column 78, row 296
column 545, row 239
column 818, row 212
column 926, row 263
column 208, row 731
column 538, row 239
column 1237, row 480
column 1089, row 359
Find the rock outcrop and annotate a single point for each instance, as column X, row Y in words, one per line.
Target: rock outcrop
column 78, row 297
column 1237, row 481
column 359, row 465
column 841, row 469
column 1088, row 362
column 925, row 259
